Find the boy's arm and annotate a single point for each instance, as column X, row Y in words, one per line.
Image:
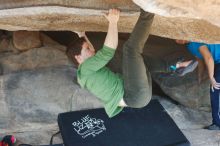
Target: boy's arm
column 88, row 41
column 103, row 56
column 83, row 34
column 210, row 65
column 111, row 39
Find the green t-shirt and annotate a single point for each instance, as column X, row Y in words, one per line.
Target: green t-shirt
column 94, row 76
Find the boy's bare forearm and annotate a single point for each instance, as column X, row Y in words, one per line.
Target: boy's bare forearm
column 111, row 39
column 88, row 41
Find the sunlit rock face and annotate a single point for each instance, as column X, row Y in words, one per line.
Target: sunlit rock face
column 191, row 20
column 206, row 10
column 190, row 14
column 187, row 16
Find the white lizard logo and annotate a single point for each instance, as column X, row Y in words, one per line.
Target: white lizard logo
column 89, row 126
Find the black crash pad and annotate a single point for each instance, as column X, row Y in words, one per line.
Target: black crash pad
column 148, row 126
column 41, row 145
column 53, row 145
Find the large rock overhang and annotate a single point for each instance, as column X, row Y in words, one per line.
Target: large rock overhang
column 87, row 15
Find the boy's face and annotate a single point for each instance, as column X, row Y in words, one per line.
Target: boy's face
column 86, row 53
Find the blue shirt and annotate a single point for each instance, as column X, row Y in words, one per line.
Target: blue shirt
column 214, row 49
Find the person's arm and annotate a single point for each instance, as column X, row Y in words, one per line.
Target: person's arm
column 103, row 56
column 88, row 41
column 83, row 34
column 210, row 65
column 111, row 39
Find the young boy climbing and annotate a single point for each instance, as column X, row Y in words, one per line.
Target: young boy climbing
column 133, row 88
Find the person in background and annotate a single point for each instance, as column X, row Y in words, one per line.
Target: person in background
column 210, row 54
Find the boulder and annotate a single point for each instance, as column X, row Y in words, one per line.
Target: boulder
column 33, row 59
column 4, row 45
column 184, row 8
column 191, row 123
column 31, row 100
column 185, row 90
column 188, row 90
column 49, row 42
column 25, row 40
column 177, row 20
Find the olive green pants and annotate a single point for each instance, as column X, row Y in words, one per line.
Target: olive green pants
column 137, row 79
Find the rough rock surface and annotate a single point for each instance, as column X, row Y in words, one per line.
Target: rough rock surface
column 88, row 4
column 6, row 43
column 178, row 88
column 191, row 122
column 33, row 59
column 187, row 90
column 51, row 54
column 197, row 9
column 31, row 100
column 182, row 20
column 24, row 40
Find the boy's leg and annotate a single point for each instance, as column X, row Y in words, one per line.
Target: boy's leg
column 137, row 79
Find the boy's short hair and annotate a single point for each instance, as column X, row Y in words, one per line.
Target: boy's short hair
column 74, row 48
